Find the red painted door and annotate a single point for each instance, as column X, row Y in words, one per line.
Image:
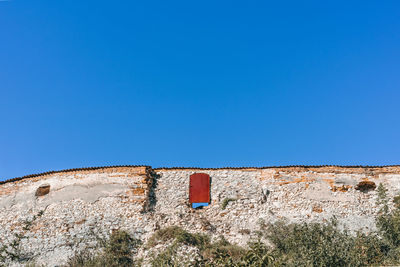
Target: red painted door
column 199, row 190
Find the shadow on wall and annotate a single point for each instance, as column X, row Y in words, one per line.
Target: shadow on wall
column 152, row 193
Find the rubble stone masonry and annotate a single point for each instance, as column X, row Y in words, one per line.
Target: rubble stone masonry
column 60, row 213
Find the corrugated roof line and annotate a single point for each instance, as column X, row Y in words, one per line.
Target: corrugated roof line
column 190, row 168
column 274, row 167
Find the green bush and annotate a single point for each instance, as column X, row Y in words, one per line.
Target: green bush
column 318, row 244
column 258, row 254
column 222, row 253
column 388, row 224
column 180, row 236
column 167, row 257
column 118, row 250
column 218, row 253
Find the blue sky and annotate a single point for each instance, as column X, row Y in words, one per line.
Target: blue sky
column 198, row 83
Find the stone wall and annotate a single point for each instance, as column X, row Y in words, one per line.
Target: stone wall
column 56, row 225
column 61, row 213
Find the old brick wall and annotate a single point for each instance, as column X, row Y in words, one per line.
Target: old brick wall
column 84, row 204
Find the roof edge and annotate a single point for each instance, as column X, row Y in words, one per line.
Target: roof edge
column 191, row 168
column 276, row 167
column 68, row 170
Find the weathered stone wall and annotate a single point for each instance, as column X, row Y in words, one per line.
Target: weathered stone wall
column 265, row 195
column 83, row 204
column 56, row 225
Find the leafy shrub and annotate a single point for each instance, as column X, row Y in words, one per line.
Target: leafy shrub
column 180, row 236
column 388, row 224
column 167, row 257
column 318, row 244
column 219, row 253
column 258, row 255
column 222, row 253
column 116, row 251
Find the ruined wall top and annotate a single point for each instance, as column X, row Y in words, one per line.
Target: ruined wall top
column 145, row 169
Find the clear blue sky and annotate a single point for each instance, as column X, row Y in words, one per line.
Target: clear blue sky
column 198, row 83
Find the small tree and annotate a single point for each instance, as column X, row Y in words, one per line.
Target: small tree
column 388, row 223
